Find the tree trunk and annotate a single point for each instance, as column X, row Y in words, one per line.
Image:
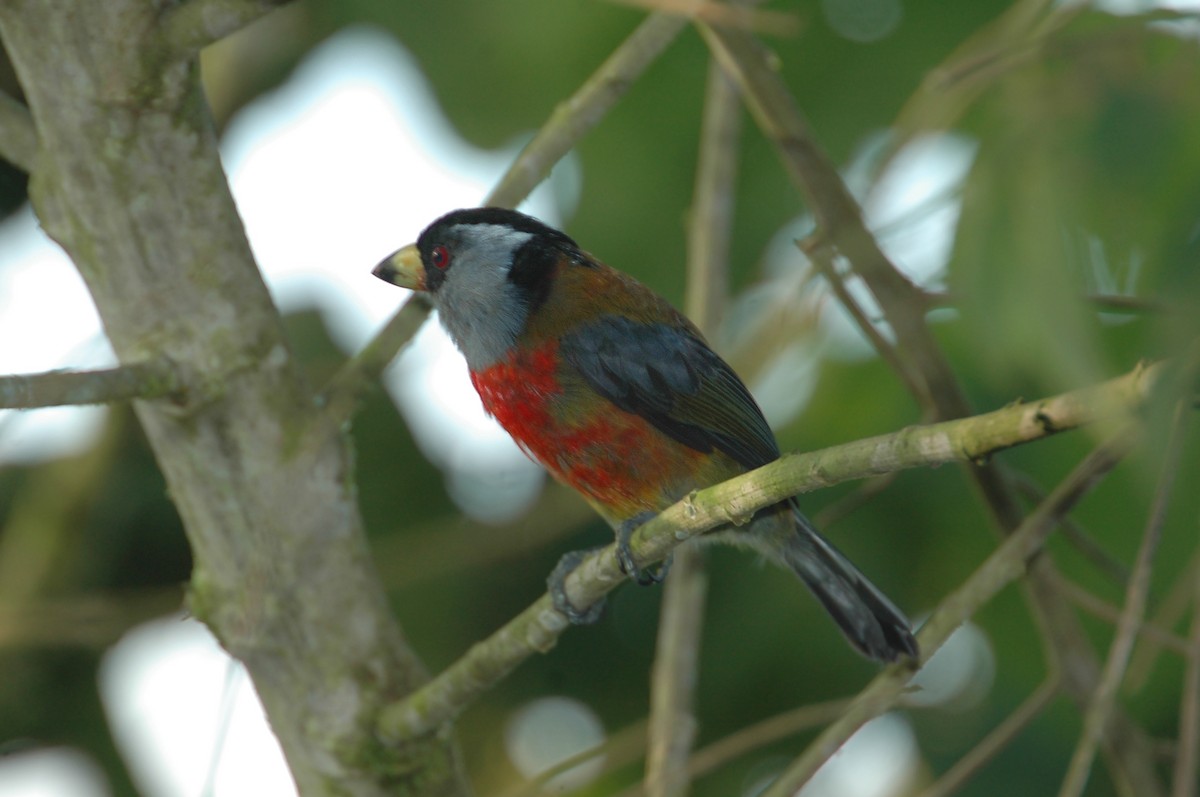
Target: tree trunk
column 128, row 180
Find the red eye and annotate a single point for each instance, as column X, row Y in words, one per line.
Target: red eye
column 440, row 257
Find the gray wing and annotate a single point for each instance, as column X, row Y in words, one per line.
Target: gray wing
column 670, row 377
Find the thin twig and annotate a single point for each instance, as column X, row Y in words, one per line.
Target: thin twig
column 903, row 306
column 761, row 734
column 822, row 257
column 673, row 678
column 538, row 627
column 18, row 136
column 579, row 114
column 1105, row 695
column 187, row 28
column 1105, row 302
column 454, row 544
column 1102, row 609
column 779, row 23
column 838, row 216
column 1006, row 564
column 994, row 743
column 1170, row 611
column 1187, row 750
column 144, row 380
column 1115, row 303
column 754, row 737
column 357, row 374
column 950, row 89
column 618, row 750
column 710, row 226
column 90, row 621
column 832, row 513
column 673, row 723
column 1077, row 536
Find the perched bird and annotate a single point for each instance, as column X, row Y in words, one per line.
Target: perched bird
column 617, row 394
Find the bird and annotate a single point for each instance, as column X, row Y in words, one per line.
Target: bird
column 616, row 393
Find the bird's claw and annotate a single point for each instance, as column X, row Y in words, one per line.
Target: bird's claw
column 643, row 576
column 556, row 585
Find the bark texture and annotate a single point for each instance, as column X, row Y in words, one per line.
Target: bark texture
column 127, row 179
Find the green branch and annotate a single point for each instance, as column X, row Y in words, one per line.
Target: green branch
column 538, row 627
column 145, row 380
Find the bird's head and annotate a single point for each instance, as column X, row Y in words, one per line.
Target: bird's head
column 486, row 271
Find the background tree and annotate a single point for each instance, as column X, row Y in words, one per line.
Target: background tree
column 1074, row 259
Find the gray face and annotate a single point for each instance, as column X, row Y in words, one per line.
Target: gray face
column 479, row 306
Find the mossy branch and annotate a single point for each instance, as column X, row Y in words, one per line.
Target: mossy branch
column 144, row 380
column 735, row 501
column 130, row 183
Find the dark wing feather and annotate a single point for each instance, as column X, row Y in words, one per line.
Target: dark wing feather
column 670, row 377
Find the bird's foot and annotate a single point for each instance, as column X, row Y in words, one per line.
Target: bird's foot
column 556, row 585
column 644, row 577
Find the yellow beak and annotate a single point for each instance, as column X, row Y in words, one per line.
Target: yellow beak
column 403, row 268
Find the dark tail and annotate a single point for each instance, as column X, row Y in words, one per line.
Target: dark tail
column 868, row 619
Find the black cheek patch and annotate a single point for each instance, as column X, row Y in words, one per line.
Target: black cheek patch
column 434, row 276
column 532, row 271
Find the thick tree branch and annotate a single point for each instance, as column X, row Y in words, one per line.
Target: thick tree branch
column 18, row 137
column 145, row 380
column 536, row 630
column 129, row 182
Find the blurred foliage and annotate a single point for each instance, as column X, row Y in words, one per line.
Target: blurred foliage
column 1086, row 181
